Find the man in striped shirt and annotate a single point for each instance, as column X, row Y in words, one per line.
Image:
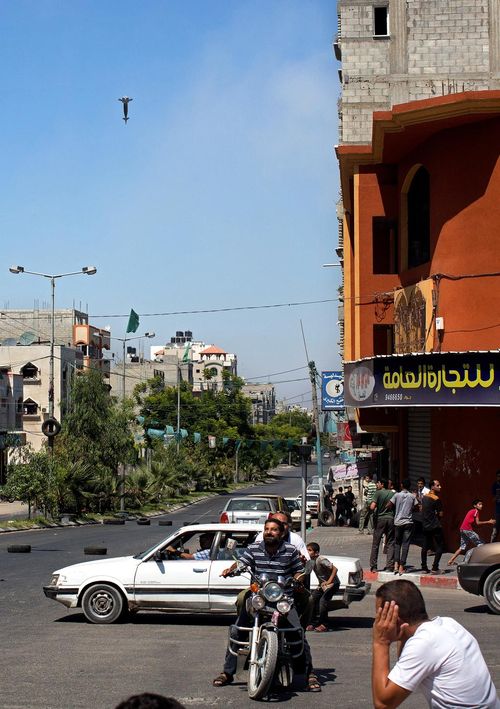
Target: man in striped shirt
column 277, row 557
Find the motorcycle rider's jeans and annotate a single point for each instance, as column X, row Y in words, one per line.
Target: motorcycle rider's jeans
column 245, row 620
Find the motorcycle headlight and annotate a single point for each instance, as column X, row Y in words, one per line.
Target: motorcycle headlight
column 258, row 603
column 272, row 591
column 283, row 606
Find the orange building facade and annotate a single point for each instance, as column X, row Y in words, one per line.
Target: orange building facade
column 422, row 291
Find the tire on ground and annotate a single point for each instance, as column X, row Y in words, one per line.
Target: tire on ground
column 103, row 604
column 326, row 518
column 95, row 550
column 19, row 549
column 144, row 521
column 113, row 521
column 491, row 591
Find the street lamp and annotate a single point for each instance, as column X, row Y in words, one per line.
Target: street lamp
column 329, row 265
column 125, row 340
column 88, row 271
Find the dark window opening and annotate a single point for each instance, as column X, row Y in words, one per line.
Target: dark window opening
column 30, row 407
column 29, row 371
column 384, row 245
column 383, row 339
column 419, row 219
column 381, row 21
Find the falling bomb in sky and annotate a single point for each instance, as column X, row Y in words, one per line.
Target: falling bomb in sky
column 125, row 100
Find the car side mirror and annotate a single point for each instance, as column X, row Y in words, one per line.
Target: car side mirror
column 159, row 555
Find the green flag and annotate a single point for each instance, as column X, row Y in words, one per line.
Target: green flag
column 133, row 321
column 185, row 356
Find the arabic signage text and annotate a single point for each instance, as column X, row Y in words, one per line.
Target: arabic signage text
column 332, row 391
column 448, row 379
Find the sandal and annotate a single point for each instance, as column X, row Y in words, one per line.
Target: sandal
column 313, row 684
column 222, row 679
column 321, row 629
column 309, row 628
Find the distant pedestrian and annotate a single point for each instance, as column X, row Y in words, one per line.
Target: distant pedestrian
column 366, row 514
column 437, row 656
column 383, row 509
column 495, row 491
column 340, row 507
column 404, row 503
column 349, row 496
column 432, row 513
column 329, row 584
column 468, row 535
column 418, row 531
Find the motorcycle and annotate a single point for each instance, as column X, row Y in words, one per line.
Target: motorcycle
column 273, row 645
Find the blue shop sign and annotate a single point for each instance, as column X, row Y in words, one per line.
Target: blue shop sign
column 332, row 391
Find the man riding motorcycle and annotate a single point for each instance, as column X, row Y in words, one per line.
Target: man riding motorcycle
column 271, row 556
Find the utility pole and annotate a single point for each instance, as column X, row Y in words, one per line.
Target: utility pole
column 178, row 405
column 313, row 373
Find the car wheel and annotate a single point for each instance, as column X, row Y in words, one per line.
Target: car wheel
column 491, row 591
column 102, row 604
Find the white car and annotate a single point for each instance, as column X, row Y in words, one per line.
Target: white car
column 312, row 501
column 158, row 580
column 248, row 510
column 295, row 505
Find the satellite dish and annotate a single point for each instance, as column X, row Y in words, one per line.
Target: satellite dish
column 27, row 338
column 9, row 342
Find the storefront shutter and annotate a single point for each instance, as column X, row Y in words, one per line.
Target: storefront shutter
column 419, row 444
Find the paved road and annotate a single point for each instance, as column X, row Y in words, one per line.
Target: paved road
column 53, row 659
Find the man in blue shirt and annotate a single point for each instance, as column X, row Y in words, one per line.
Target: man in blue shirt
column 277, row 557
column 203, row 554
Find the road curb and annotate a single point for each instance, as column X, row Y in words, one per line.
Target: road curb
column 444, row 581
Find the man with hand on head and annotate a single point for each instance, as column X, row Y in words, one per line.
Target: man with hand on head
column 437, row 656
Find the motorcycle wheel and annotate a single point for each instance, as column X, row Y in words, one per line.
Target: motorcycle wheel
column 261, row 674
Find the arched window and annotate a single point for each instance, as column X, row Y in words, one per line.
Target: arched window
column 30, row 407
column 418, row 218
column 29, row 371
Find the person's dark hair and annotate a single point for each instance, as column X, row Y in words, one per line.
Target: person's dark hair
column 421, row 480
column 369, row 476
column 314, row 546
column 206, row 538
column 150, row 701
column 340, row 489
column 406, row 483
column 475, row 501
column 408, row 597
column 277, row 522
column 383, row 482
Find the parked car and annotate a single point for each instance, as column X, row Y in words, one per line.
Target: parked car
column 313, row 489
column 479, row 574
column 312, row 501
column 247, row 510
column 157, row 580
column 295, row 507
column 278, row 500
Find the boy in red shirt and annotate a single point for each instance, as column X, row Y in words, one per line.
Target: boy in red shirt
column 468, row 535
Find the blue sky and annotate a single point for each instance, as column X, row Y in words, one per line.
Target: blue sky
column 219, row 192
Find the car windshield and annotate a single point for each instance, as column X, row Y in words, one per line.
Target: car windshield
column 251, row 505
column 143, row 554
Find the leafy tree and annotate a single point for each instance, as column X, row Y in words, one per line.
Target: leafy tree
column 31, row 480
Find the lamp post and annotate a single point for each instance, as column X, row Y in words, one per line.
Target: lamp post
column 86, row 270
column 124, row 340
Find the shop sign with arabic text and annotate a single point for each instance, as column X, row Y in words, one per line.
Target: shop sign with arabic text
column 448, row 379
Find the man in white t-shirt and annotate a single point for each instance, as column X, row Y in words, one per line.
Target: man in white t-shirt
column 289, row 536
column 437, row 657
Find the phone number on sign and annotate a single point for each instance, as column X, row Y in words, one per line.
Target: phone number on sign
column 393, row 397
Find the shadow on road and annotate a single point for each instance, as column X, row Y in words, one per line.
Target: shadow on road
column 477, row 609
column 352, row 623
column 146, row 618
